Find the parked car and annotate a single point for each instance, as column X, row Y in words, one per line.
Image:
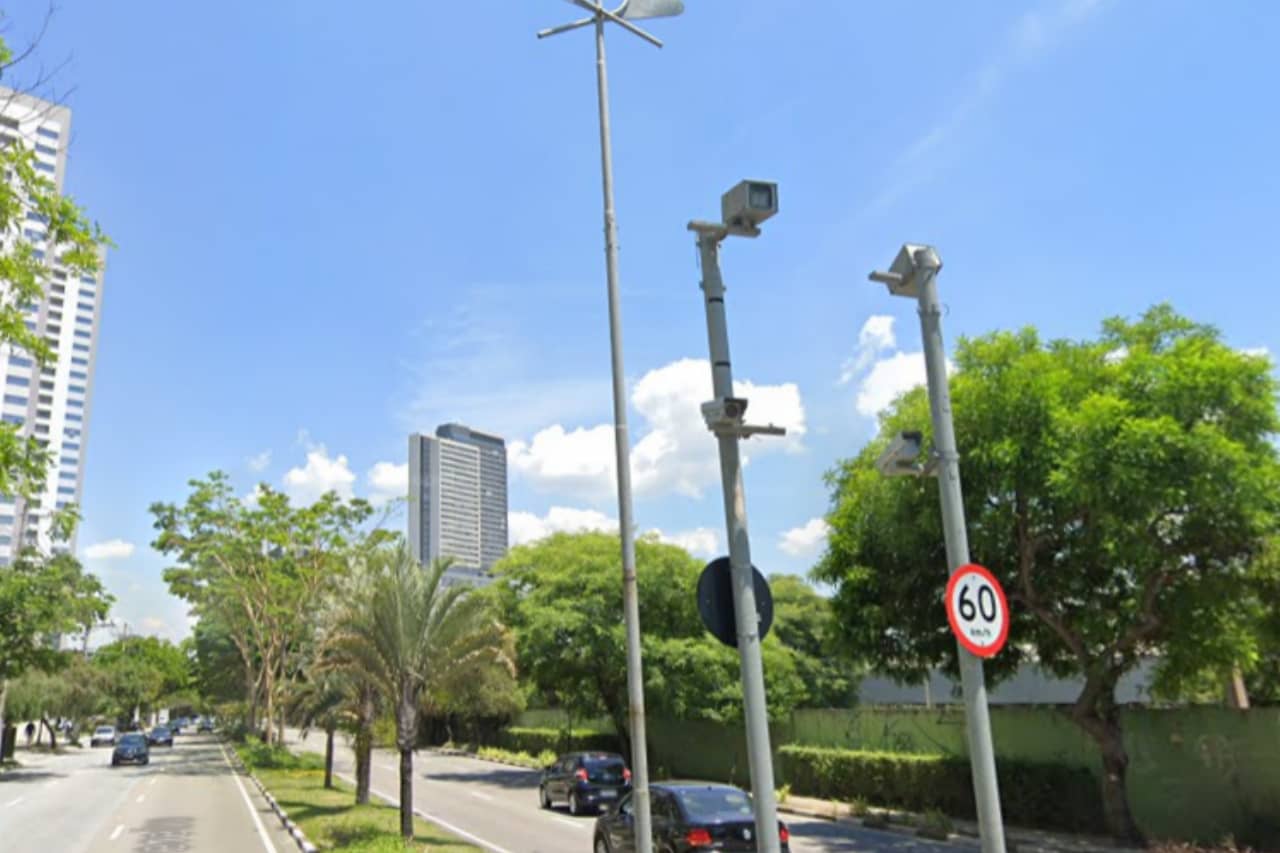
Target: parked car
column 160, row 736
column 206, row 725
column 687, row 816
column 103, row 736
column 585, row 780
column 132, row 749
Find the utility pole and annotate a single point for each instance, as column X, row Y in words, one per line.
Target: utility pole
column 914, row 275
column 743, row 208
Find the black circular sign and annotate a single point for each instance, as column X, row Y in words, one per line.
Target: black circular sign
column 715, row 601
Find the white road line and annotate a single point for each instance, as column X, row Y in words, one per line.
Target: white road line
column 141, row 797
column 456, row 830
column 576, row 824
column 262, row 830
column 116, row 832
column 393, row 768
column 153, row 781
column 480, row 794
column 14, row 802
column 51, row 784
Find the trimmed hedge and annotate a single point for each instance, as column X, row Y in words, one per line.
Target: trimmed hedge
column 1047, row 796
column 535, row 741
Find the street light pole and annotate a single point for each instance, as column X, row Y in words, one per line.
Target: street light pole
column 622, row 443
column 914, row 274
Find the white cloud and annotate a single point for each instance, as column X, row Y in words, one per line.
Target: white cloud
column 251, row 499
column 806, row 540
column 675, row 452
column 523, row 527
column 259, row 462
column 321, row 474
column 1116, row 355
column 114, row 549
column 388, row 481
column 154, row 625
column 701, row 541
column 875, row 337
column 887, row 379
column 1261, row 352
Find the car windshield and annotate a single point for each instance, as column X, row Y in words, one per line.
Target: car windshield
column 104, row 730
column 160, row 730
column 133, row 740
column 604, row 768
column 709, row 805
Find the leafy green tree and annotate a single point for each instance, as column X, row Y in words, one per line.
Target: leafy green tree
column 140, row 672
column 1119, row 488
column 76, row 691
column 805, row 622
column 563, row 598
column 406, row 631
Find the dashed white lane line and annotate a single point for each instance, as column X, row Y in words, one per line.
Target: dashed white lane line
column 481, row 795
column 141, row 797
column 116, row 832
column 152, row 782
column 14, row 802
column 568, row 821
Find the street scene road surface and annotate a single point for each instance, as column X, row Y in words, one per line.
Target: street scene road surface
column 495, row 807
column 188, row 799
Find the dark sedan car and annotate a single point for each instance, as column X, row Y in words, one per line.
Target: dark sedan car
column 687, row 816
column 585, row 780
column 131, row 749
column 160, row 736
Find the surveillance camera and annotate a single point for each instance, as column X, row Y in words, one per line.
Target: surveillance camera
column 748, row 204
column 899, row 458
column 726, row 413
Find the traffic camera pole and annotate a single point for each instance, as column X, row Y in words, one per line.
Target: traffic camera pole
column 977, row 715
column 759, row 756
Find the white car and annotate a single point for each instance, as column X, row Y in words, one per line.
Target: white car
column 103, row 736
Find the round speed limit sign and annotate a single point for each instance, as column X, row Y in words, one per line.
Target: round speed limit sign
column 977, row 610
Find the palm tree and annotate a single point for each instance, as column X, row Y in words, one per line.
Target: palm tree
column 407, row 632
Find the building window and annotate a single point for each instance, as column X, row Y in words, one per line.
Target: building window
column 79, row 374
column 76, row 389
column 81, row 333
column 66, row 490
column 72, row 416
column 71, row 433
column 83, row 362
column 32, row 234
column 6, row 539
column 6, row 519
column 15, row 399
column 45, row 167
column 19, row 361
column 46, row 149
column 66, row 475
column 47, row 133
column 79, row 348
column 75, row 404
column 13, row 419
column 21, row 381
column 83, row 320
column 88, row 279
column 69, row 460
column 85, row 306
column 70, row 445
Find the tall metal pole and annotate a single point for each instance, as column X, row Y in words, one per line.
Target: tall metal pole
column 977, row 716
column 759, row 756
column 622, row 446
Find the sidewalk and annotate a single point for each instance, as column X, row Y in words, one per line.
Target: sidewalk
column 965, row 832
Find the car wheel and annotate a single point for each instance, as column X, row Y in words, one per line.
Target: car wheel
column 115, row 763
column 574, row 808
column 602, row 845
column 146, row 761
column 542, row 795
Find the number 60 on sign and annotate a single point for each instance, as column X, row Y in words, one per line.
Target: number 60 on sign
column 977, row 610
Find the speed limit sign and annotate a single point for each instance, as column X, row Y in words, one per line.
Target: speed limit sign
column 977, row 610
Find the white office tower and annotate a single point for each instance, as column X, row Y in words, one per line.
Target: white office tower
column 458, row 500
column 51, row 404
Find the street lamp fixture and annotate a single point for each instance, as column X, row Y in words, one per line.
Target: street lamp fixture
column 623, row 15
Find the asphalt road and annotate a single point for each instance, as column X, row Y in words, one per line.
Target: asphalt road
column 187, row 800
column 496, row 807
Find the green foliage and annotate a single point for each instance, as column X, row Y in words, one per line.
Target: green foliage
column 1049, row 796
column 139, row 671
column 935, row 825
column 261, row 756
column 40, row 598
column 536, row 740
column 563, row 598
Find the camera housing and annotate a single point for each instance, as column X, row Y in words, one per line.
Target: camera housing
column 724, row 414
column 748, row 204
column 899, row 458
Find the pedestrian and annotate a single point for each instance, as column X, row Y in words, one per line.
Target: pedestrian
column 31, row 732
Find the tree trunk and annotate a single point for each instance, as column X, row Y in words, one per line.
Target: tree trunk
column 269, row 712
column 251, row 694
column 53, row 737
column 364, row 745
column 1102, row 723
column 328, row 755
column 406, row 793
column 4, row 701
column 280, row 729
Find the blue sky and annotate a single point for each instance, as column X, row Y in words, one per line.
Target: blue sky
column 334, row 228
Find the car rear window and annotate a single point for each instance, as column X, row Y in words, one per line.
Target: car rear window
column 713, row 804
column 104, row 730
column 132, row 740
column 604, row 769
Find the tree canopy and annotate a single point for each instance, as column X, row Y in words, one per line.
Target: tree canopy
column 1121, row 489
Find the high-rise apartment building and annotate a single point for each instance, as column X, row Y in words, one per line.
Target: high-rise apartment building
column 458, row 500
column 52, row 403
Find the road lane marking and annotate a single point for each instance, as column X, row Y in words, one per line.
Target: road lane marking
column 481, row 794
column 576, row 824
column 116, row 833
column 456, row 830
column 14, row 802
column 153, row 781
column 51, row 784
column 262, row 830
column 141, row 797
column 390, row 767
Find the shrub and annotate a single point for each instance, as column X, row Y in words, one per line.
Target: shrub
column 935, row 825
column 1042, row 795
column 783, row 794
column 259, row 756
column 535, row 740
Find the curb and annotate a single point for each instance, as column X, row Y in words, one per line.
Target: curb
column 295, row 832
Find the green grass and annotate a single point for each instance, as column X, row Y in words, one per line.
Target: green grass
column 330, row 818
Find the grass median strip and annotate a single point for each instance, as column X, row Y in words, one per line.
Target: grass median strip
column 330, row 818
